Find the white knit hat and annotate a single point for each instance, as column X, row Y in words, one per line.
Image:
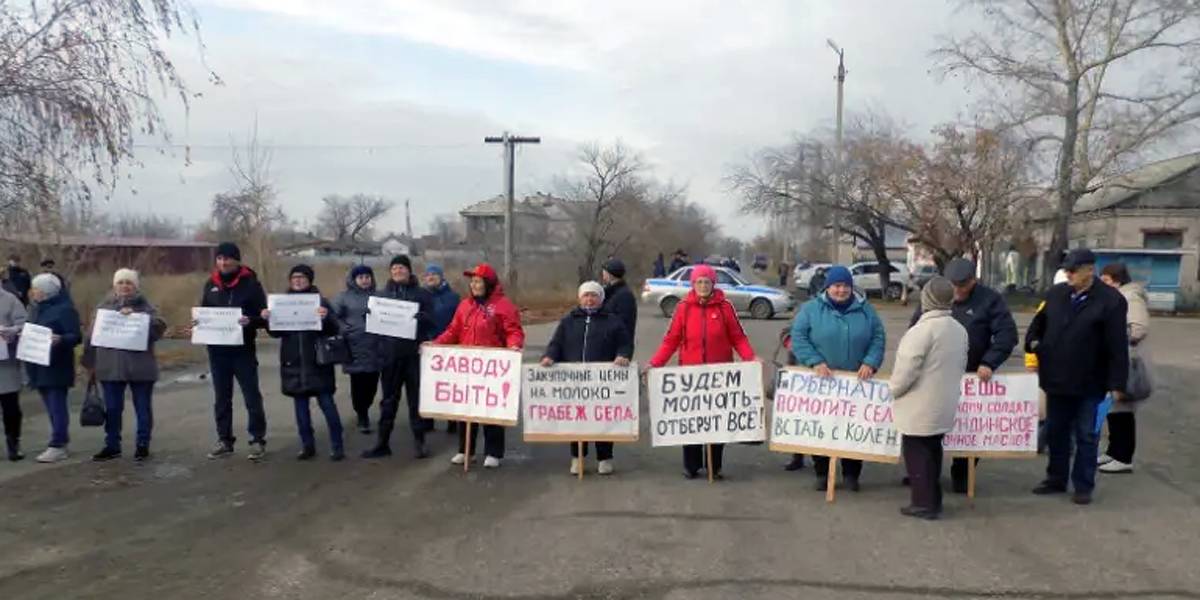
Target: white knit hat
column 127, row 275
column 591, row 287
column 48, row 284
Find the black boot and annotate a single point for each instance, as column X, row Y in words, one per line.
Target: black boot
column 420, row 449
column 451, row 426
column 796, row 464
column 382, row 447
column 364, row 424
column 14, row 449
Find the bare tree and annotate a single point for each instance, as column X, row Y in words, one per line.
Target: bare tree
column 335, row 219
column 352, row 219
column 78, row 83
column 612, row 180
column 249, row 212
column 1064, row 73
column 143, row 225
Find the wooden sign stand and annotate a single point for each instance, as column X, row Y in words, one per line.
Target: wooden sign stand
column 708, row 463
column 467, row 448
column 971, row 460
column 579, row 458
column 831, row 481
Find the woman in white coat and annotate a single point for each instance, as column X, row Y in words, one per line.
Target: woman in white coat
column 1122, row 425
column 925, row 386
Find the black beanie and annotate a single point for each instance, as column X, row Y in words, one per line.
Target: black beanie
column 229, row 250
column 402, row 259
column 304, row 270
column 615, row 267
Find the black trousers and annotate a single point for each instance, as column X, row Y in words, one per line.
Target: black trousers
column 960, row 471
column 1122, row 436
column 10, row 404
column 604, row 450
column 404, row 372
column 363, row 387
column 851, row 469
column 493, row 439
column 923, row 461
column 693, row 457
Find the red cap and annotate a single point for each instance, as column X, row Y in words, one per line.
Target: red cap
column 485, row 271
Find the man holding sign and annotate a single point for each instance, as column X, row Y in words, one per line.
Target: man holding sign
column 590, row 333
column 705, row 329
column 232, row 285
column 401, row 359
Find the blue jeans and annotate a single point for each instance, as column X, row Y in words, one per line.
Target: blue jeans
column 1070, row 417
column 55, row 399
column 227, row 364
column 332, row 420
column 114, row 408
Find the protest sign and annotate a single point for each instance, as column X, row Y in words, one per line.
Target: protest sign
column 840, row 416
column 996, row 418
column 707, row 404
column 34, row 346
column 595, row 402
column 122, row 332
column 393, row 318
column 294, row 312
column 481, row 385
column 217, row 326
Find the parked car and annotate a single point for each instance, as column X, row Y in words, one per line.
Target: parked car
column 803, row 273
column 866, row 278
column 761, row 301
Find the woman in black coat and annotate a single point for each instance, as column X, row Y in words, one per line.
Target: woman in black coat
column 300, row 375
column 55, row 311
column 590, row 334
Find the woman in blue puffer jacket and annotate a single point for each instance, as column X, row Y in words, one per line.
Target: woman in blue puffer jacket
column 838, row 331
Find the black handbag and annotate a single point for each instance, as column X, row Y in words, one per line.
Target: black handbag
column 91, row 414
column 332, row 350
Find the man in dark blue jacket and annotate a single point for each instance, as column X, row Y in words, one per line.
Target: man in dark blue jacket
column 618, row 298
column 445, row 303
column 402, row 362
column 1082, row 347
column 991, row 334
column 589, row 333
column 233, row 285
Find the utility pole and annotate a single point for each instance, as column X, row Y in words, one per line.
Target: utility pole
column 510, row 165
column 408, row 220
column 835, row 250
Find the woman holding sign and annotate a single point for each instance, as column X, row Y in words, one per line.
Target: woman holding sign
column 302, row 377
column 56, row 313
column 590, row 334
column 117, row 368
column 12, row 318
column 705, row 329
column 350, row 307
column 838, row 330
column 490, row 320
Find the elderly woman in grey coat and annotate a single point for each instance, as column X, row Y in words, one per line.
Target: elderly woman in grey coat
column 12, row 319
column 350, row 308
column 925, row 386
column 117, row 369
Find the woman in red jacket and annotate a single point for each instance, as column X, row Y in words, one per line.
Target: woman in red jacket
column 705, row 329
column 486, row 319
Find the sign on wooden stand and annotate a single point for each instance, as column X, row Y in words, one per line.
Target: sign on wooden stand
column 995, row 419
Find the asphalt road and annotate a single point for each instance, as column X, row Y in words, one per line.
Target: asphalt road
column 181, row 526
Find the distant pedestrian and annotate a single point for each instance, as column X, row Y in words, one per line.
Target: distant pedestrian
column 660, row 269
column 350, row 309
column 117, row 369
column 991, row 330
column 18, row 278
column 302, row 378
column 12, row 319
column 233, row 285
column 487, row 319
column 48, row 266
column 838, row 330
column 590, row 333
column 1083, row 353
column 55, row 311
column 1122, row 425
column 926, row 385
column 704, row 329
column 783, row 274
column 679, row 261
column 445, row 302
column 402, row 362
column 618, row 298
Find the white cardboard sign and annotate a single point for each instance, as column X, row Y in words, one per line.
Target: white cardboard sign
column 580, row 402
column 392, row 318
column 294, row 312
column 34, row 345
column 217, row 326
column 464, row 383
column 112, row 329
column 707, row 404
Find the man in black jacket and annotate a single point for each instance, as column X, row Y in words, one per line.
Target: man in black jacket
column 991, row 334
column 402, row 362
column 618, row 298
column 234, row 285
column 18, row 279
column 1082, row 348
column 590, row 333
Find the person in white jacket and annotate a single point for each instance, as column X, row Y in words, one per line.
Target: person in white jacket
column 925, row 386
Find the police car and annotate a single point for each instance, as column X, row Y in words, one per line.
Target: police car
column 761, row 301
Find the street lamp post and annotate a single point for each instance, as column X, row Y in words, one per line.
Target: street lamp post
column 835, row 249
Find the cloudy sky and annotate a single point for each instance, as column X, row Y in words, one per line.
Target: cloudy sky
column 394, row 97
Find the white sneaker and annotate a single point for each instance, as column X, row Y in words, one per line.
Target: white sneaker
column 575, row 466
column 491, row 462
column 458, row 459
column 1103, row 459
column 52, row 455
column 1115, row 466
column 605, row 468
column 258, row 451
